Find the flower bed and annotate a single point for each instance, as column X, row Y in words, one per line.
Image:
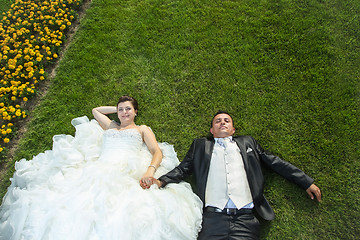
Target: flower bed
column 32, row 33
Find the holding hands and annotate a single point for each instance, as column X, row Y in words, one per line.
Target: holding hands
column 146, row 182
column 147, row 179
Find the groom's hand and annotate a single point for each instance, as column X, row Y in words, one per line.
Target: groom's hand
column 313, row 190
column 156, row 181
column 146, row 182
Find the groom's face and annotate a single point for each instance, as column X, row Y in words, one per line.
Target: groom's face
column 222, row 126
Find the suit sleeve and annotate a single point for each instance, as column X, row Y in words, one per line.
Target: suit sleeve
column 182, row 171
column 283, row 168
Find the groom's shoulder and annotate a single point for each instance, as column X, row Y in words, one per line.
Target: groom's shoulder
column 244, row 138
column 203, row 139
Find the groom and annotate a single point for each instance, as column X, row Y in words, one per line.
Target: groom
column 229, row 180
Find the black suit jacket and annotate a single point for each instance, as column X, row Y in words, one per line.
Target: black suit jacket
column 197, row 162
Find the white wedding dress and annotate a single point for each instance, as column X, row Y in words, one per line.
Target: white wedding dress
column 87, row 188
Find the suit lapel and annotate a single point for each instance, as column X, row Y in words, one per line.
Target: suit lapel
column 209, row 146
column 242, row 152
column 203, row 171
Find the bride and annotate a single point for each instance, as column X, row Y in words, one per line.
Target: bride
column 90, row 187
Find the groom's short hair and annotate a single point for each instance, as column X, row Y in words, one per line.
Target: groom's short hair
column 221, row 112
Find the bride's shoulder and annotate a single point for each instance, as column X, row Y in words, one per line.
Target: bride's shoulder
column 143, row 128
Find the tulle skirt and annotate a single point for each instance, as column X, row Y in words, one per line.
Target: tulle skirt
column 71, row 192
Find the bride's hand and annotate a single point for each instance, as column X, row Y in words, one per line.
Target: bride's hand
column 146, row 180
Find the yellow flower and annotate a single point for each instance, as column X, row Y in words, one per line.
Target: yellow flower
column 6, row 140
column 25, row 99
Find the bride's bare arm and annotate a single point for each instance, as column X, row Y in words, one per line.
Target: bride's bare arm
column 151, row 143
column 100, row 115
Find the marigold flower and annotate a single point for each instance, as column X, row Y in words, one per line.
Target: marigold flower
column 6, row 140
column 24, row 31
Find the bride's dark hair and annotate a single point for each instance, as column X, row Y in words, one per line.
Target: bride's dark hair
column 130, row 99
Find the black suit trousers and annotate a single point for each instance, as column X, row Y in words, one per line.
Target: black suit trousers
column 219, row 226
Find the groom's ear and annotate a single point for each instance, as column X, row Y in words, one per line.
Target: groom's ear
column 211, row 130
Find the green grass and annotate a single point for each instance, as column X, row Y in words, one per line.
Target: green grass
column 5, row 5
column 286, row 70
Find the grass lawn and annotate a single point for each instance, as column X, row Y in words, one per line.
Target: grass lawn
column 5, row 5
column 287, row 71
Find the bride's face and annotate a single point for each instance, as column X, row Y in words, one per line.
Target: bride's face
column 126, row 112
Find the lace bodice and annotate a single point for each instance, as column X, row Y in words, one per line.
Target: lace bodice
column 124, row 140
